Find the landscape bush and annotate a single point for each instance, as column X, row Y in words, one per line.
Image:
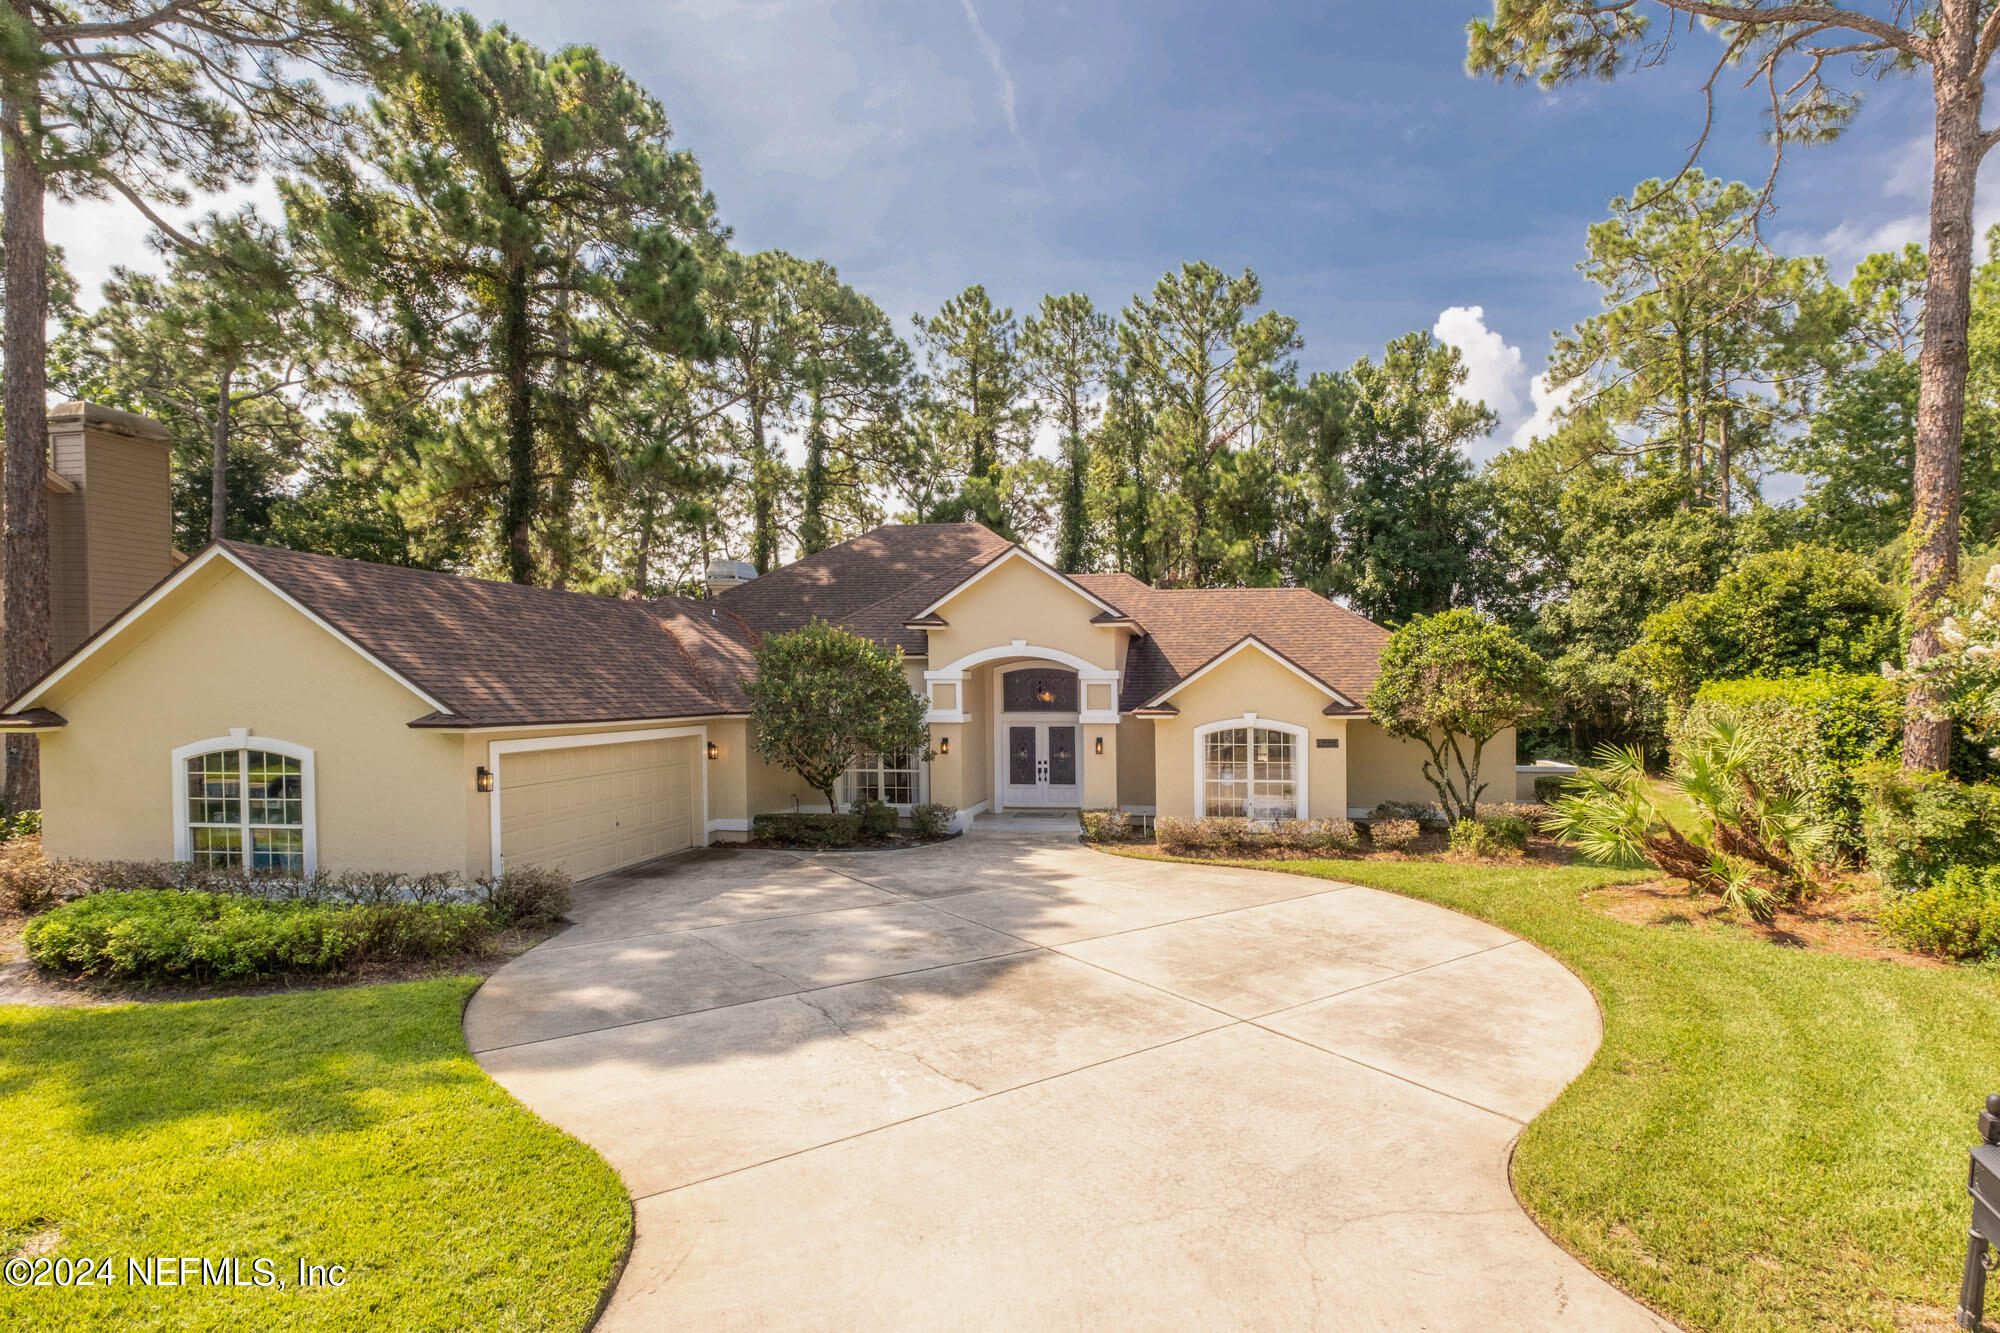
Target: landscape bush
column 1393, row 835
column 181, row 935
column 878, row 819
column 1806, row 738
column 1920, row 825
column 1104, row 825
column 27, row 824
column 932, row 820
column 1315, row 835
column 1957, row 917
column 532, row 896
column 1430, row 818
column 1549, row 789
column 1183, row 837
column 803, row 829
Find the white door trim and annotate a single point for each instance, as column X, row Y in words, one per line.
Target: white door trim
column 494, row 749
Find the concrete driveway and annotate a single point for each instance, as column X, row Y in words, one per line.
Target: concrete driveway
column 1011, row 1083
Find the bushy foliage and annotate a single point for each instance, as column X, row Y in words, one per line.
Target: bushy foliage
column 1183, row 837
column 1104, row 825
column 823, row 696
column 1920, row 825
column 1966, row 674
column 1432, row 818
column 932, row 819
column 529, row 896
column 1807, row 737
column 1315, row 835
column 806, row 829
column 26, row 824
column 1957, row 917
column 1753, row 847
column 1783, row 613
column 177, row 935
column 878, row 819
column 1393, row 835
column 1452, row 682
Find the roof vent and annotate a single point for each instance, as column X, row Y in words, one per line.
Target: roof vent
column 723, row 575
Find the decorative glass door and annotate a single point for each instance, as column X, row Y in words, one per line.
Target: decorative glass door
column 1042, row 764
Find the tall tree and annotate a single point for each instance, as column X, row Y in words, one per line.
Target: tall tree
column 1067, row 346
column 218, row 350
column 102, row 97
column 1209, row 374
column 1789, row 49
column 520, row 241
column 853, row 367
column 754, row 306
column 977, row 393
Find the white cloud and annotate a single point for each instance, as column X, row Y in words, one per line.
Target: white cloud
column 1546, row 404
column 999, row 64
column 1494, row 372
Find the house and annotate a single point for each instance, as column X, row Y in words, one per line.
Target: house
column 290, row 710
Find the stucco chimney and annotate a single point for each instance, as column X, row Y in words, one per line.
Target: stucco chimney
column 111, row 525
column 726, row 574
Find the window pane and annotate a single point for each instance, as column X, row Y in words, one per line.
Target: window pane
column 1038, row 690
column 1062, row 755
column 213, row 788
column 1021, row 756
column 277, row 849
column 216, row 846
column 275, row 789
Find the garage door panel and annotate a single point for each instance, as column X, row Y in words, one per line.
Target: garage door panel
column 594, row 808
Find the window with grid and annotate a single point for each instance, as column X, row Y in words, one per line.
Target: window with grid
column 1249, row 772
column 891, row 779
column 246, row 807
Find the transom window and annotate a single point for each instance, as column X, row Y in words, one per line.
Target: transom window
column 891, row 779
column 1038, row 690
column 1250, row 772
column 244, row 804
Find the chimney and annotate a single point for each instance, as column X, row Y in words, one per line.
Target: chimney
column 726, row 574
column 111, row 525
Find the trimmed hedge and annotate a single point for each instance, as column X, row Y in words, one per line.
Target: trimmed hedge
column 932, row 820
column 1958, row 917
column 1809, row 735
column 878, row 820
column 1224, row 836
column 1105, row 826
column 1393, row 835
column 1920, row 825
column 807, row 830
column 175, row 935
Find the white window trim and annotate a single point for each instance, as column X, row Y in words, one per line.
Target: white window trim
column 1088, row 673
column 1301, row 761
column 919, row 787
column 576, row 740
column 240, row 739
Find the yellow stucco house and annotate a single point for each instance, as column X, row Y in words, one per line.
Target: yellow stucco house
column 287, row 710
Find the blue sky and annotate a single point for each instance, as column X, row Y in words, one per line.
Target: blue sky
column 1340, row 150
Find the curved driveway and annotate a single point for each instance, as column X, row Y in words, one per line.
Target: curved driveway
column 1010, row 1083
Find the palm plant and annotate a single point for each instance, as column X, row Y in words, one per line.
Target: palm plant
column 1751, row 846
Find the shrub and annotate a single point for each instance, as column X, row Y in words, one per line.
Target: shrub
column 1548, row 790
column 533, row 896
column 807, row 830
column 1958, row 917
column 1507, row 832
column 878, row 820
column 28, row 883
column 27, row 824
column 1230, row 834
column 1104, row 825
column 1430, row 818
column 1315, row 835
column 1805, row 738
column 1393, row 835
column 1920, row 825
column 1183, row 837
column 932, row 820
column 175, row 935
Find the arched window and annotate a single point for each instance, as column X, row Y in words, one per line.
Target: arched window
column 245, row 801
column 1250, row 772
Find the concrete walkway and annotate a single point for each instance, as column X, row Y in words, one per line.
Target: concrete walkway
column 1009, row 1083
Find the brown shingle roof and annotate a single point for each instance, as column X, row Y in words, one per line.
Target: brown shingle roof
column 498, row 654
column 1186, row 627
column 871, row 584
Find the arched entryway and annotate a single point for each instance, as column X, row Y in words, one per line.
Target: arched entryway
column 1038, row 740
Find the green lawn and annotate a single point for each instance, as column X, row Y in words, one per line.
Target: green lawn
column 1768, row 1139
column 339, row 1126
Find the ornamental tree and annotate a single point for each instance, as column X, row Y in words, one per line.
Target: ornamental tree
column 1452, row 682
column 822, row 697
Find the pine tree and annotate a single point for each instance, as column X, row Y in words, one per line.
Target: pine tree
column 1068, row 349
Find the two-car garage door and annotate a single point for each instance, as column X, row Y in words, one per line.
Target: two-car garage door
column 593, row 808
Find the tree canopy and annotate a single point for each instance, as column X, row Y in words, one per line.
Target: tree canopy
column 823, row 697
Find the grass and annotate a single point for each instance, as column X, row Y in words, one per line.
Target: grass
column 1768, row 1139
column 341, row 1127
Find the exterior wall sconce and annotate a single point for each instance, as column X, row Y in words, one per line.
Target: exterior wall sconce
column 714, row 750
column 483, row 776
column 944, row 745
column 1100, row 745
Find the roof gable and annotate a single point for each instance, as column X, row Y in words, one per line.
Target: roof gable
column 1251, row 643
column 1106, row 612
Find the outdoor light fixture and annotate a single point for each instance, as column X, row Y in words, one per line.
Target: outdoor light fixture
column 1100, row 745
column 944, row 745
column 714, row 750
column 484, row 777
column 1047, row 696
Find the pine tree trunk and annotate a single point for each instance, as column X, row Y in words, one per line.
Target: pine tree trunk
column 218, row 477
column 1722, row 461
column 1941, row 397
column 1069, row 546
column 517, row 518
column 763, row 498
column 24, row 541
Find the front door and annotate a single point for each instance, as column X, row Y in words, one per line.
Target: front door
column 1042, row 764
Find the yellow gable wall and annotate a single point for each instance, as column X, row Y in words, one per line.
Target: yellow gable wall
column 1250, row 682
column 1385, row 768
column 235, row 655
column 1020, row 601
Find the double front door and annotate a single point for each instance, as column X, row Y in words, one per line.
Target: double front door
column 1042, row 764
